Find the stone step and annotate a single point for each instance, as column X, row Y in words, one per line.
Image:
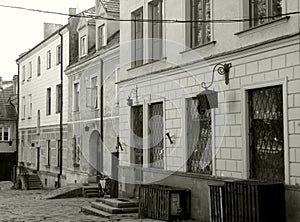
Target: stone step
column 94, row 211
column 113, row 210
column 119, row 203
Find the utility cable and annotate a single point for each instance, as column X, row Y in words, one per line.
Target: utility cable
column 88, row 14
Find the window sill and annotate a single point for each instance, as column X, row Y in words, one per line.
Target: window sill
column 212, row 43
column 258, row 28
column 147, row 63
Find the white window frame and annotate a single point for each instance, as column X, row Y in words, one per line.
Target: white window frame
column 23, row 111
column 58, row 54
column 49, row 59
column 48, row 101
column 245, row 125
column 39, row 64
column 101, row 38
column 29, row 71
column 245, row 13
column 2, row 129
column 30, row 106
column 94, row 91
column 134, row 40
column 83, row 45
column 76, row 109
column 58, row 99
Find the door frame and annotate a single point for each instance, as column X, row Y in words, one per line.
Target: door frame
column 245, row 125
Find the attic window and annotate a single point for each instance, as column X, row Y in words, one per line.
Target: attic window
column 100, row 36
column 83, row 44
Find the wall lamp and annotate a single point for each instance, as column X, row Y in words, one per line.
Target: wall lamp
column 208, row 99
column 132, row 92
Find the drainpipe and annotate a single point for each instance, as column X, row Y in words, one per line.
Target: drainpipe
column 61, row 113
column 101, row 122
column 17, row 122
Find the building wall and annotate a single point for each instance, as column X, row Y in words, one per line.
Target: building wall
column 263, row 56
column 30, row 138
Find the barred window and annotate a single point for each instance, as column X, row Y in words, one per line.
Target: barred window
column 199, row 139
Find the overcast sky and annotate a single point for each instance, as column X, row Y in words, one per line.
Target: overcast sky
column 22, row 30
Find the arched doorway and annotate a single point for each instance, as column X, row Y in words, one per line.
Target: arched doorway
column 95, row 154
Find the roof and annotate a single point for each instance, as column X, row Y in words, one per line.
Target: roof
column 111, row 5
column 7, row 111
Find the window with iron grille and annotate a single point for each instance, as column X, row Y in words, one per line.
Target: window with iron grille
column 200, row 31
column 199, row 139
column 155, row 30
column 137, row 38
column 156, row 135
column 263, row 11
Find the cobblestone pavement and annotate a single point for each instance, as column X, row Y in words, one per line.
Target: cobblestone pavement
column 23, row 206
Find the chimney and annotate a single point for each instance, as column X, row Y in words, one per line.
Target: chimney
column 72, row 11
column 73, row 36
column 50, row 28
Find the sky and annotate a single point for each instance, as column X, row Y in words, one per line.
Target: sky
column 22, row 30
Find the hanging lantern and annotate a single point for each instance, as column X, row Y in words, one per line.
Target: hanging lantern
column 208, row 99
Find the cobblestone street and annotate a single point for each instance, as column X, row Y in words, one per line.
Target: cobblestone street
column 31, row 205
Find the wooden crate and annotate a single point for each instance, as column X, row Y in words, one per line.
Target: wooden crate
column 164, row 202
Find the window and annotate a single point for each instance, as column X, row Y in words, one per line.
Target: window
column 83, row 46
column 58, row 152
column 23, row 107
column 76, row 150
column 29, row 70
column 58, row 98
column 137, row 38
column 100, row 36
column 199, row 139
column 200, row 31
column 48, row 102
column 94, row 93
column 48, row 152
column 38, row 128
column 39, row 66
column 260, row 9
column 76, row 97
column 23, row 73
column 155, row 30
column 156, row 135
column 29, row 106
column 49, row 59
column 4, row 134
column 58, row 54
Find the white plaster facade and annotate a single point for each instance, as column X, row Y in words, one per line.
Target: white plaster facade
column 33, row 94
column 262, row 56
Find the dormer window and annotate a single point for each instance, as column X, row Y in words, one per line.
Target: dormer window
column 100, row 36
column 83, row 46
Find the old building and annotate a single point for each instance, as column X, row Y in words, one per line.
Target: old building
column 254, row 131
column 92, row 76
column 8, row 129
column 42, row 118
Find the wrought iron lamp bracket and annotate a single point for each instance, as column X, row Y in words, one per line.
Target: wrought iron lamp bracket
column 223, row 69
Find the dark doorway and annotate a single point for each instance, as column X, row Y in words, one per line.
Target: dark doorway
column 7, row 161
column 266, row 134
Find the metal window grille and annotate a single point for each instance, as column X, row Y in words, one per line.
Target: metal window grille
column 199, row 139
column 156, row 135
column 266, row 134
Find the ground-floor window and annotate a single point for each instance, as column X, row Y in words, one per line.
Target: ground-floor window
column 266, row 138
column 199, row 138
column 4, row 133
column 156, row 135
